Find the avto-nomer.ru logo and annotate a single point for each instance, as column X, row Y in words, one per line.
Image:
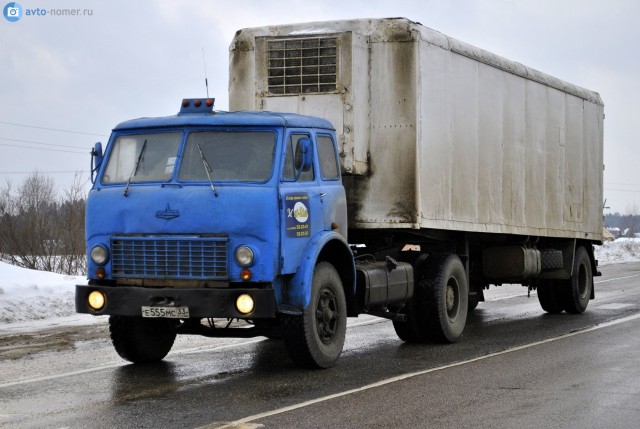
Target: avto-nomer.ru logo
column 12, row 12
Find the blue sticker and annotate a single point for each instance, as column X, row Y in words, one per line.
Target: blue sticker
column 298, row 216
column 12, row 12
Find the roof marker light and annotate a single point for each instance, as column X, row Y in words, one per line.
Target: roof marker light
column 197, row 105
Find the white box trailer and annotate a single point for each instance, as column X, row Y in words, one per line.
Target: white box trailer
column 434, row 133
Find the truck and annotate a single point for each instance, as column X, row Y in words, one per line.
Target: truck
column 370, row 166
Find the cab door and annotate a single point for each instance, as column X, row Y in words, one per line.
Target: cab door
column 301, row 209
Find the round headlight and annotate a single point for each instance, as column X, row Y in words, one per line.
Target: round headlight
column 244, row 256
column 96, row 300
column 244, row 304
column 99, row 254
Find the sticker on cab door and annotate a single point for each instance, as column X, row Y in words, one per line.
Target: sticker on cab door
column 298, row 216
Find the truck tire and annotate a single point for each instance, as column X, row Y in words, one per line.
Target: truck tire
column 442, row 299
column 141, row 340
column 474, row 300
column 408, row 330
column 551, row 295
column 578, row 288
column 315, row 339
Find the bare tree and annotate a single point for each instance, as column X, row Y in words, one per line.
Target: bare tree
column 628, row 222
column 72, row 228
column 40, row 231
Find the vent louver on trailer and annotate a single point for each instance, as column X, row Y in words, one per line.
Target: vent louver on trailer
column 302, row 65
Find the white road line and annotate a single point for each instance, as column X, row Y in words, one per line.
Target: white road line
column 617, row 278
column 240, row 422
column 62, row 375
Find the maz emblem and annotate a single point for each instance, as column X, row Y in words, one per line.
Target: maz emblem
column 167, row 213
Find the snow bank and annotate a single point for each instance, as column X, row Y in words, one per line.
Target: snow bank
column 29, row 295
column 33, row 295
column 620, row 250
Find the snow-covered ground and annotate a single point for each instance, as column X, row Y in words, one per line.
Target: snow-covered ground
column 37, row 299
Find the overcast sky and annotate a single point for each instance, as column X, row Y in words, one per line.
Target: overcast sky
column 127, row 59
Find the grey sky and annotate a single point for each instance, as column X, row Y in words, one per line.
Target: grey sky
column 132, row 59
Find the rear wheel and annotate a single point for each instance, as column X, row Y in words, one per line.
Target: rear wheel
column 551, row 295
column 315, row 339
column 445, row 294
column 474, row 300
column 142, row 340
column 578, row 288
column 408, row 330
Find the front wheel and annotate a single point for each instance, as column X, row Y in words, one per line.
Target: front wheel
column 140, row 340
column 315, row 339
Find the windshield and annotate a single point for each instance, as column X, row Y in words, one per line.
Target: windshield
column 142, row 158
column 244, row 156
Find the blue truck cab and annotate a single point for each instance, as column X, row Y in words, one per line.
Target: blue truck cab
column 220, row 215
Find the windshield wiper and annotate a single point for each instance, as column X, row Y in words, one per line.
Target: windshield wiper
column 207, row 169
column 135, row 167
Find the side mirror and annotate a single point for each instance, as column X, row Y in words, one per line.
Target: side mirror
column 96, row 160
column 304, row 155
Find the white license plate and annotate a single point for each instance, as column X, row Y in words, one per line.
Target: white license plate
column 166, row 312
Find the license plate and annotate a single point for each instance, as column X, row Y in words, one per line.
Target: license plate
column 166, row 312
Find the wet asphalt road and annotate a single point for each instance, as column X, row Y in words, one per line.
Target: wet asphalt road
column 515, row 366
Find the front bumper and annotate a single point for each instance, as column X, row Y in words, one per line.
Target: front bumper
column 202, row 302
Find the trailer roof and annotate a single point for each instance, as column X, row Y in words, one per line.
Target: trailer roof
column 219, row 118
column 403, row 29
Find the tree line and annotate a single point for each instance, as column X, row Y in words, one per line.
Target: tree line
column 43, row 229
column 626, row 222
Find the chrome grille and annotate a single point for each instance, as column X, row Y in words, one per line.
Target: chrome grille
column 202, row 258
column 302, row 65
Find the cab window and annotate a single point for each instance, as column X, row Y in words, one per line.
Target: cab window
column 328, row 161
column 142, row 158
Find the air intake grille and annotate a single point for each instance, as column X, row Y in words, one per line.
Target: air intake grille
column 170, row 258
column 302, row 65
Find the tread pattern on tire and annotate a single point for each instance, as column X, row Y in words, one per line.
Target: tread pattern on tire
column 551, row 295
column 434, row 318
column 424, row 323
column 573, row 303
column 296, row 332
column 140, row 340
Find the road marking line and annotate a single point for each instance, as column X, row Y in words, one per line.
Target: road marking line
column 282, row 410
column 617, row 278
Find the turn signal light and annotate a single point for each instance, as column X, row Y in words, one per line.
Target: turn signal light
column 101, row 273
column 246, row 274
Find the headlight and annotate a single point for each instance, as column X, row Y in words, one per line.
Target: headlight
column 244, row 304
column 244, row 256
column 96, row 300
column 99, row 254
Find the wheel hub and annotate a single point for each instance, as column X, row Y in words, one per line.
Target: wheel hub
column 327, row 316
column 452, row 299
